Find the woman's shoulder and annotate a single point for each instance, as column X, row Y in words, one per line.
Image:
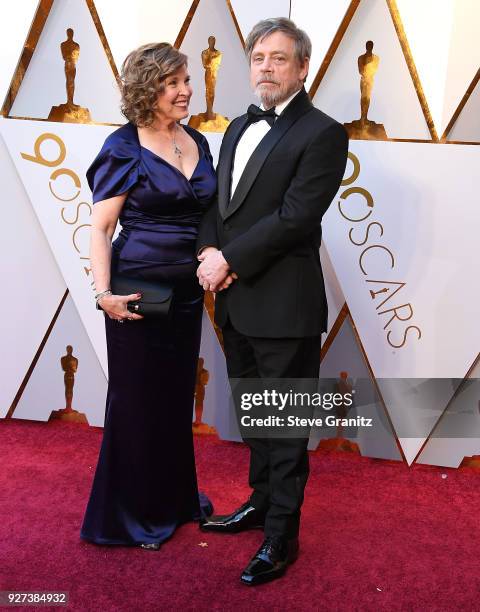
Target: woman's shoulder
column 123, row 140
column 115, row 168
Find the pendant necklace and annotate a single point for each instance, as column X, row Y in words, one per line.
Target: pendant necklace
column 176, row 149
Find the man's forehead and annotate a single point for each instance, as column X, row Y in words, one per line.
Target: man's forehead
column 280, row 41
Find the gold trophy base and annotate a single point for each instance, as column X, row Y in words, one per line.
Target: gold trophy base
column 73, row 416
column 366, row 130
column 203, row 428
column 70, row 113
column 339, row 444
column 203, row 124
column 471, row 462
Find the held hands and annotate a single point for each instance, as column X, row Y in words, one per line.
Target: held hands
column 214, row 273
column 116, row 306
column 228, row 281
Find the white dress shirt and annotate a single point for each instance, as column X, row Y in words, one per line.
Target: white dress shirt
column 249, row 141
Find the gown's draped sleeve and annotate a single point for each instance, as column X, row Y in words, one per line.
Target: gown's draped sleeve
column 115, row 169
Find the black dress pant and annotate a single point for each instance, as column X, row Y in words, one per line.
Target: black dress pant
column 278, row 466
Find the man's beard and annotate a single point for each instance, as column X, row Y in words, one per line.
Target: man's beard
column 273, row 96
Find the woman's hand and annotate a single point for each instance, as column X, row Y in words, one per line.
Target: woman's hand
column 116, row 306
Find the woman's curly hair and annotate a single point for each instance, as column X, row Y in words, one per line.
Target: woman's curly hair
column 143, row 77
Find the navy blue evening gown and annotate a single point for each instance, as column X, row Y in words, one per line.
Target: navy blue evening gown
column 145, row 483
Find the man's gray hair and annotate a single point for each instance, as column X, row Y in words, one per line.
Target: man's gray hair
column 303, row 44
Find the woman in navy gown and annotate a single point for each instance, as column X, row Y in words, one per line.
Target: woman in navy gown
column 156, row 178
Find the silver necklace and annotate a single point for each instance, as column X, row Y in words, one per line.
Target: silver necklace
column 176, row 149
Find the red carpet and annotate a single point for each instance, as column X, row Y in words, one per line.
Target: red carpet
column 375, row 535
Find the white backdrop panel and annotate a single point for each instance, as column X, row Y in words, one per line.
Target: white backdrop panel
column 65, row 223
column 232, row 93
column 425, row 217
column 457, row 434
column 44, row 83
column 464, row 55
column 32, row 280
column 216, row 409
column 467, row 127
column 345, row 355
column 14, row 27
column 394, row 99
column 128, row 24
column 250, row 13
column 45, row 390
column 335, row 297
column 321, row 21
column 430, row 47
column 214, row 142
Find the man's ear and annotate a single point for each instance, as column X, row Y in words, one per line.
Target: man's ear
column 304, row 69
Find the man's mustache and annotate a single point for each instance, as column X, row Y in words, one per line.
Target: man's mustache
column 267, row 80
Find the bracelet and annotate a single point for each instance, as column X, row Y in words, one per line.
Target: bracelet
column 102, row 294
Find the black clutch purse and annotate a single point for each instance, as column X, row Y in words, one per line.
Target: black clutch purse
column 156, row 296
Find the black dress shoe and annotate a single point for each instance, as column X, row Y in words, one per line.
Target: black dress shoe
column 271, row 560
column 245, row 517
column 151, row 546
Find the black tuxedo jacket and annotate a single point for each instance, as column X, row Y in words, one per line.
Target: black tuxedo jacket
column 270, row 231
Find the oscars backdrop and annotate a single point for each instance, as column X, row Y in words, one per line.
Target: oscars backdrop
column 400, row 238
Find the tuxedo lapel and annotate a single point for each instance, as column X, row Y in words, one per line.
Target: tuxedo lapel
column 297, row 107
column 224, row 168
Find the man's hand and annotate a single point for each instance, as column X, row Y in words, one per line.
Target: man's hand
column 213, row 272
column 228, row 281
column 206, row 251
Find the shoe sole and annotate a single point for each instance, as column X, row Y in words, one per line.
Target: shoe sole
column 265, row 579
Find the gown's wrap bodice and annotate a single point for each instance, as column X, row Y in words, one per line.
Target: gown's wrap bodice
column 161, row 213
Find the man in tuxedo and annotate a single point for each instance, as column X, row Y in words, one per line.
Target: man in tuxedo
column 279, row 168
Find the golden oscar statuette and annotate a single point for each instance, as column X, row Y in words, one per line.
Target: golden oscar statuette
column 210, row 121
column 70, row 112
column 364, row 128
column 69, row 365
column 339, row 443
column 201, row 382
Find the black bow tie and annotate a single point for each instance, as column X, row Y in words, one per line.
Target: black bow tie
column 257, row 114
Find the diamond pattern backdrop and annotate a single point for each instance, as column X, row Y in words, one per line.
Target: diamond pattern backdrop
column 426, row 90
